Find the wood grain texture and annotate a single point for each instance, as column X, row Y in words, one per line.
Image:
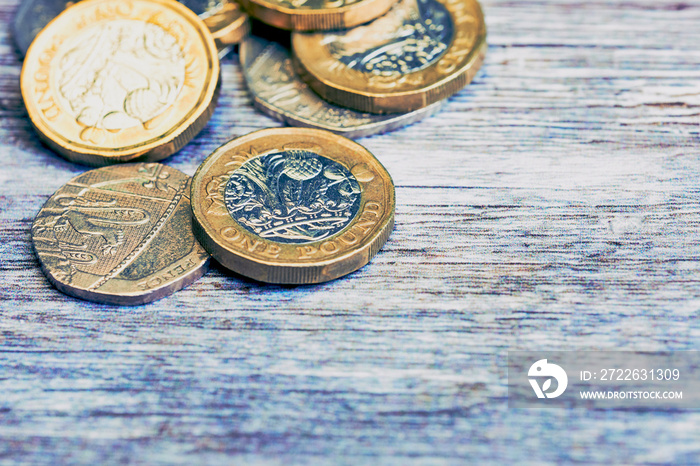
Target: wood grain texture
column 552, row 204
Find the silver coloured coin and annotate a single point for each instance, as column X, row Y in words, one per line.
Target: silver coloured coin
column 33, row 15
column 279, row 92
column 293, row 196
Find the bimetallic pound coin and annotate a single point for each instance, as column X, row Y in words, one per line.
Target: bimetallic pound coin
column 110, row 81
column 120, row 235
column 280, row 93
column 316, row 15
column 420, row 52
column 33, row 15
column 292, row 205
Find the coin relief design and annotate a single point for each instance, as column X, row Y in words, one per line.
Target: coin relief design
column 33, row 15
column 292, row 205
column 273, row 79
column 120, row 235
column 292, row 196
column 116, row 81
column 121, row 74
column 409, row 38
column 419, row 53
column 279, row 92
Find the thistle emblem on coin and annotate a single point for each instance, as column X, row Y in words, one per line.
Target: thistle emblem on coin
column 292, row 196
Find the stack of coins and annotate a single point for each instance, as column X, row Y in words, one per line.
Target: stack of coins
column 108, row 82
column 361, row 67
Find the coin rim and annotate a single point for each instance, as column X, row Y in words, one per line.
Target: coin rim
column 268, row 270
column 156, row 148
column 310, row 60
column 393, row 122
column 19, row 18
column 316, row 19
column 134, row 298
column 235, row 31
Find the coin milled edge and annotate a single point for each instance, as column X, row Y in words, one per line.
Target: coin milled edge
column 153, row 287
column 258, row 258
column 318, row 19
column 336, row 83
column 354, row 124
column 155, row 149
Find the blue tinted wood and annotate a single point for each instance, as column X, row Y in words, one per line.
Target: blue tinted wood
column 552, row 204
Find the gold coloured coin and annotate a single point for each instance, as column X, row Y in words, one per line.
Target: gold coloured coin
column 33, row 15
column 229, row 25
column 292, row 205
column 420, row 52
column 316, row 15
column 279, row 92
column 114, row 81
column 120, row 235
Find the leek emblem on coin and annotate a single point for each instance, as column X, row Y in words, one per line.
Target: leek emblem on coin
column 420, row 52
column 115, row 81
column 292, row 205
column 120, row 235
column 280, row 93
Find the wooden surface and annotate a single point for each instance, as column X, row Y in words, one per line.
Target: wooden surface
column 552, row 205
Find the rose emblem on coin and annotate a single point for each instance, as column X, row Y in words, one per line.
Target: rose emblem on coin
column 292, row 196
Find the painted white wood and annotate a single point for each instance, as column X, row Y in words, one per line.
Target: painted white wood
column 553, row 204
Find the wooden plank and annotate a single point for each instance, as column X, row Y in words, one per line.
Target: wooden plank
column 552, row 204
